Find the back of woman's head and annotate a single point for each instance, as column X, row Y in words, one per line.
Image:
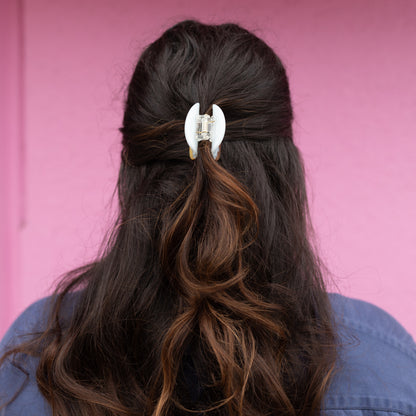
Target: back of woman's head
column 209, row 296
column 259, row 170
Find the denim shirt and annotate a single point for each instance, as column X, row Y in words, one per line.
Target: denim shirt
column 377, row 374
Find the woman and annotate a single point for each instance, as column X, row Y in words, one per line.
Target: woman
column 209, row 297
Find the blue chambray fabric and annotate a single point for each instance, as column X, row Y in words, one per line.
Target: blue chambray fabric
column 376, row 375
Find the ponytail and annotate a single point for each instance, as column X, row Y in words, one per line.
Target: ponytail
column 204, row 237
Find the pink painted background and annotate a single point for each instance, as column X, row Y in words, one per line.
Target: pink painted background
column 352, row 69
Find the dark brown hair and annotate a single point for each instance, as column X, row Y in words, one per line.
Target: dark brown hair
column 209, row 296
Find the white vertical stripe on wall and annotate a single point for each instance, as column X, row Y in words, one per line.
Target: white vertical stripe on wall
column 11, row 154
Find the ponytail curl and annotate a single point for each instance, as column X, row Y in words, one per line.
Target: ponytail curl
column 204, row 237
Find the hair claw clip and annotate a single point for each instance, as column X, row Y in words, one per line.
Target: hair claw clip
column 204, row 127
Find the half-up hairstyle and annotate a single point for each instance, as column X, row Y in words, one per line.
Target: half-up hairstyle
column 209, row 297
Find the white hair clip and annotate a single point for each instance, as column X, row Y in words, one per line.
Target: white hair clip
column 203, row 127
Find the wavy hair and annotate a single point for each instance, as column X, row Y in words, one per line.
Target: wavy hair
column 209, row 296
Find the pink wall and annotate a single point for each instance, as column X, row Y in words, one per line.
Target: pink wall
column 352, row 70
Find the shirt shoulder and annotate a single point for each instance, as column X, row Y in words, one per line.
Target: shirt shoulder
column 376, row 370
column 19, row 393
